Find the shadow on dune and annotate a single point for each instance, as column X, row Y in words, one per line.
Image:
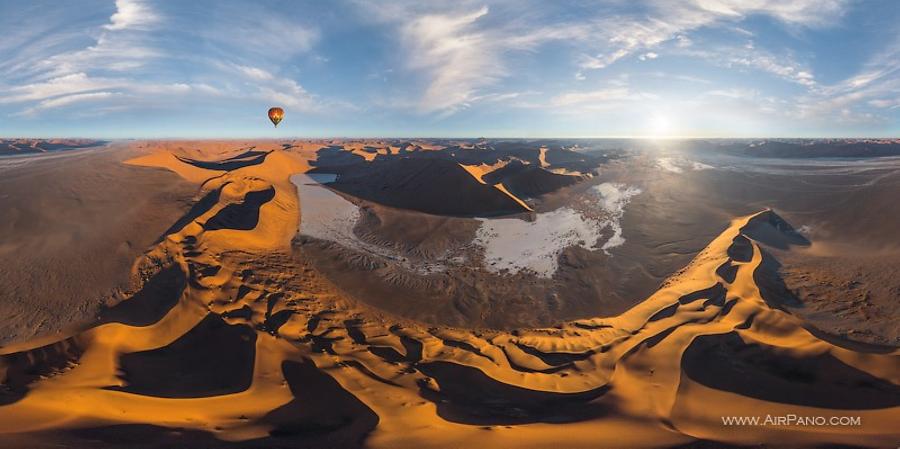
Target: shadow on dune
column 242, row 216
column 529, row 180
column 130, row 436
column 728, row 363
column 769, row 230
column 433, row 181
column 251, row 153
column 468, row 396
column 24, row 368
column 772, row 231
column 199, row 208
column 853, row 345
column 334, row 160
column 216, row 358
column 429, row 185
column 213, row 358
column 322, row 413
column 246, row 159
column 771, row 284
column 151, row 303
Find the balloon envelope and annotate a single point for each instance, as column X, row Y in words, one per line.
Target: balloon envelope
column 275, row 115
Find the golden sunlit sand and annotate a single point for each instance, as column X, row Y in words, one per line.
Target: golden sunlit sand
column 289, row 358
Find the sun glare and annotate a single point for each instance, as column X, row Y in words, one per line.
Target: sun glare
column 660, row 126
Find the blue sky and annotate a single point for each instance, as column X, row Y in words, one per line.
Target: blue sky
column 515, row 68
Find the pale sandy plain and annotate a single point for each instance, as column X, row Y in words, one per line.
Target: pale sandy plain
column 233, row 337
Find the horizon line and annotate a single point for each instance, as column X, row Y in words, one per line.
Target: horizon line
column 628, row 137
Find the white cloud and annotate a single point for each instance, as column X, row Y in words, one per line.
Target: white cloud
column 680, row 77
column 63, row 85
column 683, row 41
column 734, row 93
column 160, row 89
column 604, row 98
column 877, row 85
column 892, row 103
column 254, row 73
column 207, row 89
column 449, row 57
column 69, row 88
column 131, row 14
column 624, row 35
column 287, row 92
column 458, row 59
column 463, row 49
column 573, row 98
column 743, row 57
column 121, row 62
column 69, row 99
column 501, row 97
column 283, row 92
column 119, row 45
column 766, row 62
column 120, row 54
column 600, row 60
column 66, row 101
column 255, row 30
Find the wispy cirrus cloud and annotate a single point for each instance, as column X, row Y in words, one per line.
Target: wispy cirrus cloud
column 130, row 56
column 623, row 35
column 67, row 73
column 281, row 91
column 458, row 58
column 252, row 31
column 110, row 53
column 67, row 84
column 863, row 97
column 463, row 48
column 67, row 100
column 605, row 98
column 463, row 51
column 606, row 64
column 287, row 92
column 458, row 53
column 255, row 73
column 78, row 87
column 749, row 57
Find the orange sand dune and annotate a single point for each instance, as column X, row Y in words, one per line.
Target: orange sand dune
column 478, row 172
column 329, row 372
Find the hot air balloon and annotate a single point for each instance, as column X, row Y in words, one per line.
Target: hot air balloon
column 275, row 115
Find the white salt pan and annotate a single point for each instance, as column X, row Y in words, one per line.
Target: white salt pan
column 509, row 243
column 514, row 245
column 328, row 216
column 680, row 164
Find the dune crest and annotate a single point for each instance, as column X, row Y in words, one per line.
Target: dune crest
column 479, row 171
column 331, row 372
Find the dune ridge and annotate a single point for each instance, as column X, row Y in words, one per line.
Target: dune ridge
column 328, row 371
column 479, row 171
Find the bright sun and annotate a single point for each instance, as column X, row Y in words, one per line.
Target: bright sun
column 660, row 125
